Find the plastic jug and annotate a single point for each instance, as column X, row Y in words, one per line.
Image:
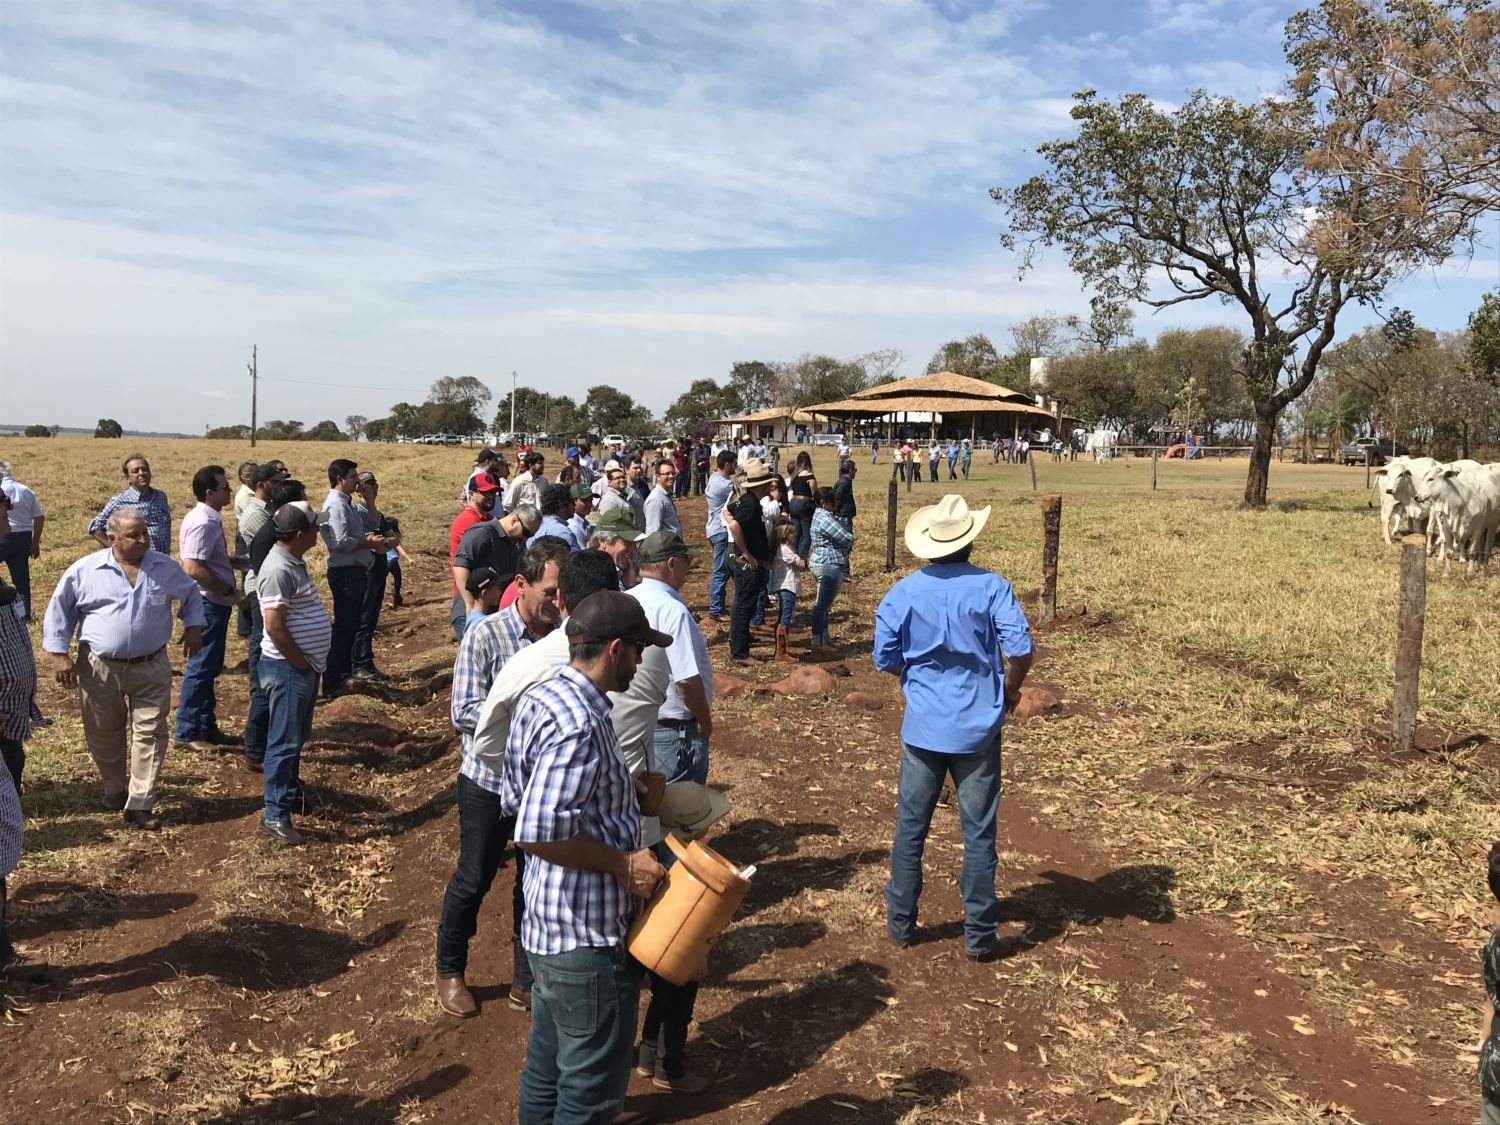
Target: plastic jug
column 689, row 910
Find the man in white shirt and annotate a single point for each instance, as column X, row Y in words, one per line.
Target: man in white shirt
column 634, row 711
column 524, row 489
column 683, row 728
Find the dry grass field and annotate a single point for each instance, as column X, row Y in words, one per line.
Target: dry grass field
column 1233, row 901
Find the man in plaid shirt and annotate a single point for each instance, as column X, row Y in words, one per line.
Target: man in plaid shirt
column 483, row 829
column 577, row 816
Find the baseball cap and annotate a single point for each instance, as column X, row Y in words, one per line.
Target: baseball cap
column 296, row 516
column 481, row 578
column 486, row 454
column 617, row 522
column 660, row 546
column 609, row 615
column 367, row 478
column 571, row 451
column 484, row 482
column 582, row 492
column 264, row 473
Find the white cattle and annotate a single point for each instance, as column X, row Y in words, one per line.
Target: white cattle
column 1398, row 493
column 1102, row 444
column 1465, row 506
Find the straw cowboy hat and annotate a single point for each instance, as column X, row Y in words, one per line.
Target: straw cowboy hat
column 756, row 473
column 688, row 809
column 944, row 528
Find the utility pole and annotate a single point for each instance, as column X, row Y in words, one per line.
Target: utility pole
column 513, row 407
column 254, row 387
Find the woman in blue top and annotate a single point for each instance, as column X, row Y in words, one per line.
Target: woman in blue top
column 832, row 540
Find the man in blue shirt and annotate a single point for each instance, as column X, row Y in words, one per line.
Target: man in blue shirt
column 960, row 642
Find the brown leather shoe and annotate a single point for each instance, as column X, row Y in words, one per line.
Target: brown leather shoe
column 520, row 998
column 455, row 998
column 686, row 1084
column 142, row 818
column 196, row 745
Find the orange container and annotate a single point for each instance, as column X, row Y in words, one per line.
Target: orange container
column 689, row 910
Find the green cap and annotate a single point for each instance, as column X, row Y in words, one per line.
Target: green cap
column 660, row 546
column 582, row 492
column 617, row 522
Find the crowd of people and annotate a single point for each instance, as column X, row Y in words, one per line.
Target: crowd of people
column 582, row 694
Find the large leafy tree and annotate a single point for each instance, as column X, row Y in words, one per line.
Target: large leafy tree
column 812, row 379
column 460, row 402
column 406, row 420
column 702, row 402
column 753, row 384
column 108, row 428
column 974, row 356
column 1407, row 94
column 1484, row 338
column 1214, row 201
column 610, row 410
column 326, row 430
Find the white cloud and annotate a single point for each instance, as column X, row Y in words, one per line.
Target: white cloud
column 631, row 191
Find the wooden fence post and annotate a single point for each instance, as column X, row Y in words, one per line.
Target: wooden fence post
column 1410, row 616
column 1051, row 529
column 890, row 526
column 1367, row 468
column 1031, row 460
column 1153, row 470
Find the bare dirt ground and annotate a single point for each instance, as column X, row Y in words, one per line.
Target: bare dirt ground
column 1228, row 901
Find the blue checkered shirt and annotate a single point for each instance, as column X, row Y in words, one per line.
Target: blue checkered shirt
column 486, row 646
column 156, row 511
column 565, row 774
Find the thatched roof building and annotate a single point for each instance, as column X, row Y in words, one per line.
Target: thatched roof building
column 964, row 405
column 776, row 424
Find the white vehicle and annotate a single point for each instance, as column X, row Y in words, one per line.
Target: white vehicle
column 614, row 440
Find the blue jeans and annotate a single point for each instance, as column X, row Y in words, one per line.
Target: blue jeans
column 976, row 777
column 758, row 615
column 874, row 454
column 363, row 654
column 347, row 584
column 801, row 510
column 290, row 695
column 788, row 601
column 719, row 579
column 258, row 716
column 830, row 582
column 15, row 552
column 197, row 706
column 583, row 1015
column 679, row 753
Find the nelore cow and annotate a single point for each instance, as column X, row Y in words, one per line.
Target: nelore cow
column 1463, row 498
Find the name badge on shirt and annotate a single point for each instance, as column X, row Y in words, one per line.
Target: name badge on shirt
column 158, row 599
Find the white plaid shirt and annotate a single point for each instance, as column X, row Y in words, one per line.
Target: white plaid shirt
column 565, row 774
column 17, row 676
column 486, row 646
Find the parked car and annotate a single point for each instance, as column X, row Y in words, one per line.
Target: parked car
column 1380, row 451
column 612, row 440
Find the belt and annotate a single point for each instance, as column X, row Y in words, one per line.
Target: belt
column 675, row 724
column 349, row 566
column 131, row 659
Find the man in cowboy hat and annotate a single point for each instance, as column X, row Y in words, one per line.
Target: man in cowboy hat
column 752, row 550
column 958, row 638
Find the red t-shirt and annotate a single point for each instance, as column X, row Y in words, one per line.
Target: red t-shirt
column 466, row 519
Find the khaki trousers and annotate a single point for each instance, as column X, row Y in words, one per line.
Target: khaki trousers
column 121, row 701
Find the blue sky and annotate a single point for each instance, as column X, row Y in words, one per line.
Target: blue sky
column 583, row 191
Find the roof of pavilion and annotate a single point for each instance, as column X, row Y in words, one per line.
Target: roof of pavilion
column 947, row 405
column 943, row 384
column 771, row 414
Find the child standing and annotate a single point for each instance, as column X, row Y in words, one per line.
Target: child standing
column 1489, row 1050
column 486, row 587
column 393, row 559
column 786, row 583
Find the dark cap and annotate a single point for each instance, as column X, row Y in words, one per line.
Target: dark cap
column 608, row 615
column 481, row 578
column 297, row 516
column 263, row 473
column 660, row 546
column 486, row 454
column 484, row 482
